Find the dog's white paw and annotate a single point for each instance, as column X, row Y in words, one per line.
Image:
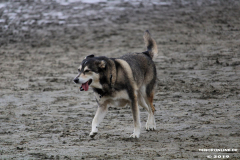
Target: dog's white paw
column 150, row 126
column 134, row 135
column 92, row 134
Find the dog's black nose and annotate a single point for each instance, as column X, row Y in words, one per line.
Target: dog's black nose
column 76, row 80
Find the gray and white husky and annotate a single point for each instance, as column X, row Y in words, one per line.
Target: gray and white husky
column 129, row 79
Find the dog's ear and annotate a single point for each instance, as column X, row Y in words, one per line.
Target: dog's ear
column 101, row 64
column 89, row 56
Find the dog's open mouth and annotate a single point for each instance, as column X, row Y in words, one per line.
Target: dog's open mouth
column 86, row 85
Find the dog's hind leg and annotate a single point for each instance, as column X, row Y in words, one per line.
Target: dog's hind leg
column 146, row 101
column 142, row 102
column 150, row 125
column 136, row 117
column 98, row 118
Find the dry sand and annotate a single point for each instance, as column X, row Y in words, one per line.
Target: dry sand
column 43, row 115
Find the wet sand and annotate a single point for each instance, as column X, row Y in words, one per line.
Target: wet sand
column 43, row 114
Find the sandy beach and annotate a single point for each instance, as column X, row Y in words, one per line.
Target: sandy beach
column 43, row 115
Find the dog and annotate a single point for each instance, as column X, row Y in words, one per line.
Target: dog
column 127, row 80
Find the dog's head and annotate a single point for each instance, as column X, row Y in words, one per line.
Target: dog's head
column 89, row 73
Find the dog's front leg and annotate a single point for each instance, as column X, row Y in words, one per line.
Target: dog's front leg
column 136, row 118
column 98, row 118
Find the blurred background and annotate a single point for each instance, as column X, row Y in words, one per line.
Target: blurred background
column 44, row 115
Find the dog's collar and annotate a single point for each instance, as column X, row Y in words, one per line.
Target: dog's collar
column 99, row 92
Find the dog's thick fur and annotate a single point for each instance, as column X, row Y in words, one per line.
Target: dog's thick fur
column 129, row 79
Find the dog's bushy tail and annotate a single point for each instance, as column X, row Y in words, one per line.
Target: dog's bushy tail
column 150, row 44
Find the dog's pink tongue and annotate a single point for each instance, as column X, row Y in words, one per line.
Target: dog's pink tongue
column 85, row 86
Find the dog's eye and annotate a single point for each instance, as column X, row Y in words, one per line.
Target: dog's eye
column 86, row 71
column 78, row 70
